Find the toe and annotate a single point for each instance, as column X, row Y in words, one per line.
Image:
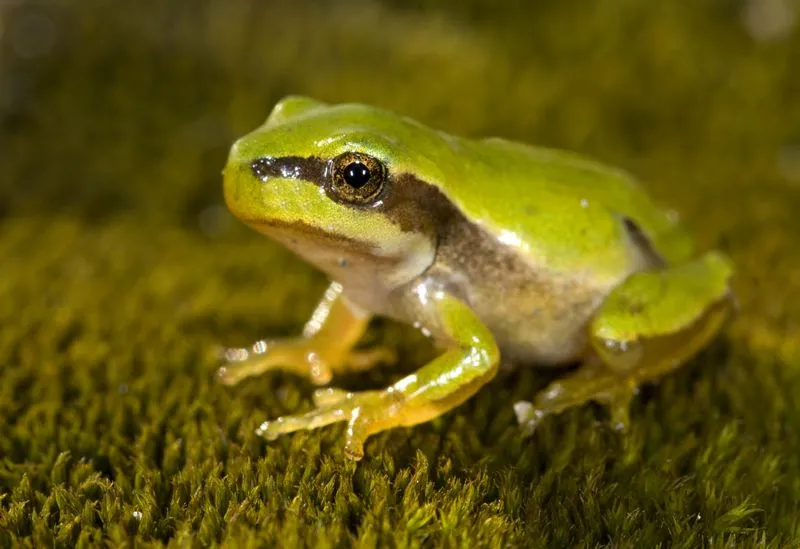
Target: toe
column 300, row 422
column 619, row 408
column 528, row 416
column 329, row 396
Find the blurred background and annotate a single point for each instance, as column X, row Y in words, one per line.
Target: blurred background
column 120, row 268
column 120, row 107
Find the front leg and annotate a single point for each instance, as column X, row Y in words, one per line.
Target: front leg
column 471, row 360
column 325, row 347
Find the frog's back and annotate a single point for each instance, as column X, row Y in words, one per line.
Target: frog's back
column 559, row 210
column 545, row 236
column 558, row 207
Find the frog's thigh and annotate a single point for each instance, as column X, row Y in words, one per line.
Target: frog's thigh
column 437, row 387
column 648, row 326
column 325, row 347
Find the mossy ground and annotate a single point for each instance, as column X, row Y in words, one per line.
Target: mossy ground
column 120, row 271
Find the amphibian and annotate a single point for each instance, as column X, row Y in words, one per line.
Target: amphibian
column 493, row 248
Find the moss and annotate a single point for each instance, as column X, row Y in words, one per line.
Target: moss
column 121, row 272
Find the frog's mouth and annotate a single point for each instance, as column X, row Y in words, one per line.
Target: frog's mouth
column 298, row 234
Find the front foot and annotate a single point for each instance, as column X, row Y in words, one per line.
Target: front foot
column 591, row 382
column 325, row 348
column 306, row 357
column 441, row 385
column 366, row 413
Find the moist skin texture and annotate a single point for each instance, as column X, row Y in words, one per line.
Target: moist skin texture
column 490, row 247
column 536, row 315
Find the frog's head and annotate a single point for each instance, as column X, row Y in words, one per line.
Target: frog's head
column 352, row 189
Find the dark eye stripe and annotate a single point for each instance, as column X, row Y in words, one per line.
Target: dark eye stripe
column 310, row 169
column 400, row 206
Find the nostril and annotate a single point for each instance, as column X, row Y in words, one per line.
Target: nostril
column 263, row 167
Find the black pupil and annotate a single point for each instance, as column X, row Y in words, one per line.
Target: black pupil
column 356, row 174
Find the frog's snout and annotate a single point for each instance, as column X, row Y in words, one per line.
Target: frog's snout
column 238, row 185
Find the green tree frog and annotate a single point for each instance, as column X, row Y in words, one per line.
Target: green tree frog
column 492, row 248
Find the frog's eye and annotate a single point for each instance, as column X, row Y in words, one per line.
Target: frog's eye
column 356, row 178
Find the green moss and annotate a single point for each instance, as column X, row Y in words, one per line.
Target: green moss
column 121, row 272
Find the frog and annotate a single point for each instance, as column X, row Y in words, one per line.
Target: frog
column 498, row 251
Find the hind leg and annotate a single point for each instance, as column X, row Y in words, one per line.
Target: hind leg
column 647, row 327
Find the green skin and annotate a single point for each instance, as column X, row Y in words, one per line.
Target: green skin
column 492, row 248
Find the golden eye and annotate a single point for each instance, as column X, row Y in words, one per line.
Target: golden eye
column 356, row 178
